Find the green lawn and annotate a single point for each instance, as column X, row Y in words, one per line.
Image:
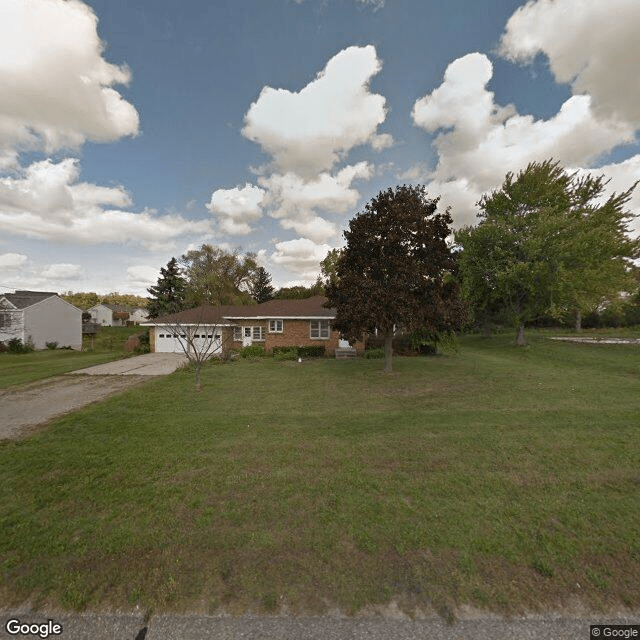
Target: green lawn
column 501, row 477
column 20, row 368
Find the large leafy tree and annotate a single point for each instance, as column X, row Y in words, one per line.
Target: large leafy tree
column 300, row 292
column 215, row 276
column 80, row 299
column 546, row 243
column 168, row 295
column 394, row 272
column 261, row 287
column 329, row 266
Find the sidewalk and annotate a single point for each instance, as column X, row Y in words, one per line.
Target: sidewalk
column 127, row 626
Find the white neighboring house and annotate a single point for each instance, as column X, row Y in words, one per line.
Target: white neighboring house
column 103, row 314
column 138, row 315
column 40, row 317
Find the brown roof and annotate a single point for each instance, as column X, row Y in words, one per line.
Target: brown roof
column 207, row 314
column 304, row 308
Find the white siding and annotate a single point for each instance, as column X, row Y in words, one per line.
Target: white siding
column 102, row 315
column 138, row 316
column 53, row 320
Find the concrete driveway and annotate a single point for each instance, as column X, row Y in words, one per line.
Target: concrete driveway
column 33, row 404
column 149, row 364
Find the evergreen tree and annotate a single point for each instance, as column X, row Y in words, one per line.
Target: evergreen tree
column 168, row 296
column 261, row 289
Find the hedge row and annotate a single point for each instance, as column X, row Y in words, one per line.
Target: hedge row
column 312, row 351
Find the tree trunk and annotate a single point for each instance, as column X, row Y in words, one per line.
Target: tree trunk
column 520, row 339
column 578, row 317
column 198, row 382
column 388, row 351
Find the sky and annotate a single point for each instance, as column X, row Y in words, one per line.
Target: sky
column 132, row 131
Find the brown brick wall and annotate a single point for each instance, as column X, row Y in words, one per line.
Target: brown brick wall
column 295, row 333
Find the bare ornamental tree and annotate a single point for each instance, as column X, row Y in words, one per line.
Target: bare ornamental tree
column 199, row 342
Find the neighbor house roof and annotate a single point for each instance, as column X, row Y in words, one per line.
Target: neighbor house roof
column 207, row 314
column 112, row 307
column 24, row 299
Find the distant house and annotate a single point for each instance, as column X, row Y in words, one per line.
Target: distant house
column 138, row 315
column 113, row 315
column 277, row 323
column 38, row 317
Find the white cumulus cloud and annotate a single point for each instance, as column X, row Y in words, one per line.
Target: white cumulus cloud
column 45, row 201
column 12, row 260
column 309, row 131
column 479, row 141
column 302, row 256
column 63, row 272
column 590, row 44
column 236, row 208
column 295, row 201
column 142, row 276
column 57, row 89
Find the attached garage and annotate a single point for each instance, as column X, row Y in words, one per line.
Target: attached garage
column 204, row 338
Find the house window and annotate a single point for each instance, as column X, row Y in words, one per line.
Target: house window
column 275, row 326
column 255, row 333
column 161, row 335
column 319, row 329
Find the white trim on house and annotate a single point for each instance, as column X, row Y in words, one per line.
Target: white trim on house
column 240, row 333
column 320, row 330
column 11, row 306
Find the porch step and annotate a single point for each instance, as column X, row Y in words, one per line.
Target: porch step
column 344, row 353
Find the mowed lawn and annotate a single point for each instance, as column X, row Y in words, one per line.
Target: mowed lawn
column 505, row 478
column 108, row 345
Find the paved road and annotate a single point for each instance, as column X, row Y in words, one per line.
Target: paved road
column 149, row 364
column 251, row 627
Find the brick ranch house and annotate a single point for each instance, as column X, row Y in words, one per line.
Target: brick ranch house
column 277, row 323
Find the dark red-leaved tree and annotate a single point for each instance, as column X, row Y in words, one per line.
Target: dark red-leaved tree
column 395, row 272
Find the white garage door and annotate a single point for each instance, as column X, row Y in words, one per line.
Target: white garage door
column 168, row 342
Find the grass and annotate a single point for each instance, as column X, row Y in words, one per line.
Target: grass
column 500, row 477
column 21, row 368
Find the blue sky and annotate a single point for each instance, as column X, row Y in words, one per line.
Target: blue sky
column 131, row 132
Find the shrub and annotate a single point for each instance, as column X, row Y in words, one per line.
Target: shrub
column 52, row 345
column 371, row 354
column 290, row 353
column 252, row 351
column 310, row 351
column 15, row 346
column 143, row 345
column 3, row 347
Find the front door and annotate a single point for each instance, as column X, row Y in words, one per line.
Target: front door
column 246, row 336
